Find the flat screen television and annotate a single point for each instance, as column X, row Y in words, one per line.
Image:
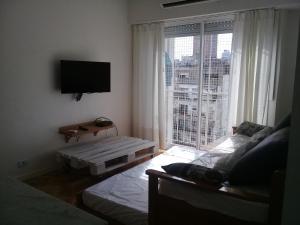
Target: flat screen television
column 84, row 76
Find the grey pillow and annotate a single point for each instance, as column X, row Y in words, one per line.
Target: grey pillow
column 195, row 173
column 248, row 128
column 226, row 163
column 262, row 134
column 259, row 163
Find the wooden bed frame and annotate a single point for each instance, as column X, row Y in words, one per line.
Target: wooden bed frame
column 166, row 210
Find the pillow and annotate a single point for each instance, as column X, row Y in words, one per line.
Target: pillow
column 195, row 173
column 262, row 134
column 285, row 122
column 259, row 163
column 248, row 128
column 226, row 163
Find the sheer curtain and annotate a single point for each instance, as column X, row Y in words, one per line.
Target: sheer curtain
column 149, row 116
column 254, row 49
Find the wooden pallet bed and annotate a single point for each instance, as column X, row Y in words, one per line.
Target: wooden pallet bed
column 107, row 153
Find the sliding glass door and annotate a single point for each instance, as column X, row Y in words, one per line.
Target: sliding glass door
column 197, row 65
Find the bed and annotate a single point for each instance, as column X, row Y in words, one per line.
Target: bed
column 22, row 204
column 124, row 197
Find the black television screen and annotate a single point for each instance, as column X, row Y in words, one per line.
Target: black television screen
column 84, row 76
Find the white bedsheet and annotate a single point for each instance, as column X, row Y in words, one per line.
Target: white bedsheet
column 124, row 197
column 232, row 143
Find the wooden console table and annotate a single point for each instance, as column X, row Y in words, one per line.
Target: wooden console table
column 77, row 130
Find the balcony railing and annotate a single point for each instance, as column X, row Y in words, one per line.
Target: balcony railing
column 185, row 114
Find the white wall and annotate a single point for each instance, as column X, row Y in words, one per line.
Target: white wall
column 34, row 35
column 141, row 11
column 290, row 25
column 292, row 189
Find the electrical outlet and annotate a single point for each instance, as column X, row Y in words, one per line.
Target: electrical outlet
column 22, row 163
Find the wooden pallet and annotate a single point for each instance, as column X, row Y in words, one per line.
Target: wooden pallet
column 108, row 153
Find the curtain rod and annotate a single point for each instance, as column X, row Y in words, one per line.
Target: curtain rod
column 202, row 18
column 212, row 17
column 199, row 19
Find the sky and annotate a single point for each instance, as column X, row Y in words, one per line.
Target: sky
column 224, row 43
column 184, row 45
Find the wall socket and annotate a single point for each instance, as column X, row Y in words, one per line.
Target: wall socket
column 22, row 163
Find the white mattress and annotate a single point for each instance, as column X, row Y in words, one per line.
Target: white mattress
column 124, row 197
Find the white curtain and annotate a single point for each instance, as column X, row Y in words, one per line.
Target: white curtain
column 254, row 48
column 149, row 118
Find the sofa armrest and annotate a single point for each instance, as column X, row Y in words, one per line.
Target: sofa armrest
column 175, row 179
column 154, row 175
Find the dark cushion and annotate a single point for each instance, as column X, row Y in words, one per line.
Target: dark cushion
column 259, row 163
column 195, row 173
column 285, row 122
column 249, row 128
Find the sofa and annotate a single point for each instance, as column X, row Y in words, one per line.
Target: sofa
column 239, row 181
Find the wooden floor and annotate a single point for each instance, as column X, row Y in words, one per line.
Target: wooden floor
column 66, row 184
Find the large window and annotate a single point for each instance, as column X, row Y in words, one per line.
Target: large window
column 197, row 82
